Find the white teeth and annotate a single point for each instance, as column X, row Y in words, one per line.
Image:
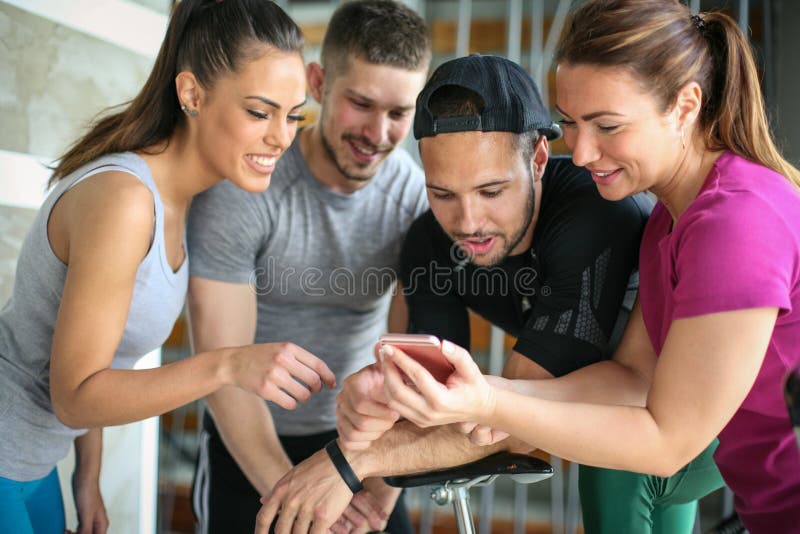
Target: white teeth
column 603, row 174
column 262, row 160
column 364, row 151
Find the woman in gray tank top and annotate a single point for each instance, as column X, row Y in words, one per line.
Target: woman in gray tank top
column 102, row 274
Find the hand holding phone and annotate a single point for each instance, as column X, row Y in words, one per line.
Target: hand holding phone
column 425, row 349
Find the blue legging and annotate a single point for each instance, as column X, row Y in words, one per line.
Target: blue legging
column 34, row 507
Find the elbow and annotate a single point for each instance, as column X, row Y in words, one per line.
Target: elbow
column 66, row 413
column 670, row 463
column 666, row 469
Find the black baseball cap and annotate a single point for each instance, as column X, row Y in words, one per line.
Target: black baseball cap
column 512, row 102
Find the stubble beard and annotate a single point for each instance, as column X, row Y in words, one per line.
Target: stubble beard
column 331, row 153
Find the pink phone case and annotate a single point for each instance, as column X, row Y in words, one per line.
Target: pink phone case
column 425, row 349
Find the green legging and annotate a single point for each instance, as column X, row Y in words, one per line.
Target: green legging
column 621, row 502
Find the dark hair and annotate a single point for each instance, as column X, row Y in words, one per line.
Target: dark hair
column 383, row 32
column 207, row 37
column 456, row 101
column 665, row 47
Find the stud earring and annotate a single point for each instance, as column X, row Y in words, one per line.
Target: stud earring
column 189, row 111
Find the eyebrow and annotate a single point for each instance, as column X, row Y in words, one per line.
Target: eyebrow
column 481, row 186
column 593, row 115
column 272, row 103
column 369, row 100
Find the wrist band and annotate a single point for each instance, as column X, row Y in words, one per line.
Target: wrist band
column 341, row 465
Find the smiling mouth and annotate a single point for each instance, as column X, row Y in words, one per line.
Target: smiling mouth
column 364, row 151
column 364, row 147
column 264, row 161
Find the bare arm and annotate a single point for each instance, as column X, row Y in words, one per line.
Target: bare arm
column 92, row 515
column 312, row 496
column 696, row 389
column 625, row 380
column 408, row 448
column 314, row 492
column 223, row 314
column 104, row 237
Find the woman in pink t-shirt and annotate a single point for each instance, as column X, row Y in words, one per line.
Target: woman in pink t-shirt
column 656, row 99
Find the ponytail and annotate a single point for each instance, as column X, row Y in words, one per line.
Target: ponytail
column 734, row 116
column 207, row 37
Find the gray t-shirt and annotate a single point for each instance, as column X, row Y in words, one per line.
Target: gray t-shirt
column 32, row 439
column 323, row 264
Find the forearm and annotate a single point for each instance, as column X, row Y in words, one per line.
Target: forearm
column 114, row 397
column 606, row 382
column 408, row 448
column 616, row 437
column 88, row 455
column 255, row 446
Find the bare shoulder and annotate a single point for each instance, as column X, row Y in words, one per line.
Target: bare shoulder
column 107, row 207
column 116, row 191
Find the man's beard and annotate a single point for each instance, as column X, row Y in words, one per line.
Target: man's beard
column 332, row 156
column 516, row 237
column 530, row 205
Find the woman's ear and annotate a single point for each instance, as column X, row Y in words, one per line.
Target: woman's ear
column 189, row 92
column 315, row 77
column 687, row 103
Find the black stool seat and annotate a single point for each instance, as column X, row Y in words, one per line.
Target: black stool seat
column 520, row 467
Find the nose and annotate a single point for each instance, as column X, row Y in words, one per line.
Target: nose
column 470, row 217
column 376, row 130
column 280, row 133
column 584, row 147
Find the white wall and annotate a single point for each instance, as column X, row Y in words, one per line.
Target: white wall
column 62, row 62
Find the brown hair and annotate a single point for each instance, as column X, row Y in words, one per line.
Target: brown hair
column 383, row 32
column 665, row 47
column 207, row 37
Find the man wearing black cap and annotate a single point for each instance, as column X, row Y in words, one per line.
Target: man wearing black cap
column 529, row 245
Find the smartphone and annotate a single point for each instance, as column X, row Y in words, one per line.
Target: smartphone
column 425, row 349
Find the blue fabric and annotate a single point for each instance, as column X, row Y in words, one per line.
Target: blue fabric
column 33, row 507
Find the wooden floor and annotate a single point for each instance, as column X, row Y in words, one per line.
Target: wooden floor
column 444, row 523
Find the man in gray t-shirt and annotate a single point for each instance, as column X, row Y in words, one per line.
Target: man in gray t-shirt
column 311, row 262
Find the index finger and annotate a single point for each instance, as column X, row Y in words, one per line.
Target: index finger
column 320, row 367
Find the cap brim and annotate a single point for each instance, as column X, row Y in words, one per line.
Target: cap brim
column 552, row 133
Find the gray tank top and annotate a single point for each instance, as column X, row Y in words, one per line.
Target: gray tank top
column 32, row 439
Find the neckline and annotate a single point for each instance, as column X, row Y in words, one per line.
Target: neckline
column 172, row 275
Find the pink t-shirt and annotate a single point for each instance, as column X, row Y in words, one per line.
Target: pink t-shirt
column 737, row 246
